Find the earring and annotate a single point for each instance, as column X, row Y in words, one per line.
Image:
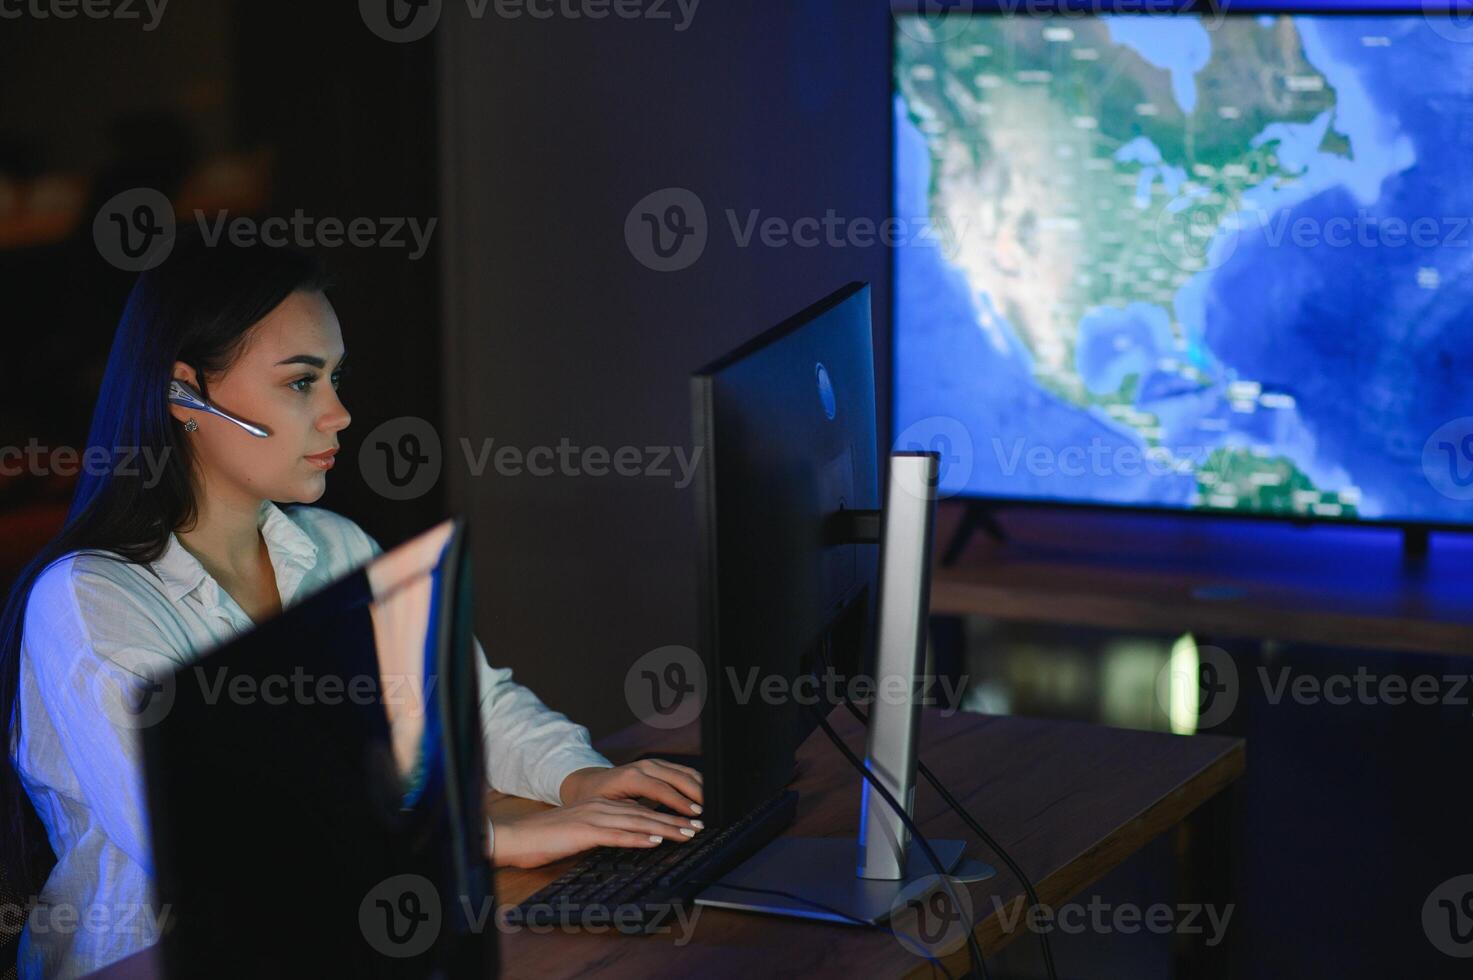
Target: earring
column 191, row 424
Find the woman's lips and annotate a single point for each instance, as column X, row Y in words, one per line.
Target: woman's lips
column 322, row 460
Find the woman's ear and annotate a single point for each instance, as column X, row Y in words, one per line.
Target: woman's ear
column 183, row 372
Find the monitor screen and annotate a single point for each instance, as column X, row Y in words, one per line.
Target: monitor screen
column 1196, row 261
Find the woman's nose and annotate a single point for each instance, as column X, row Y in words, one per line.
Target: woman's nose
column 336, row 419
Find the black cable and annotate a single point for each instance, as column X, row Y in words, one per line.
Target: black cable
column 818, row 905
column 978, row 961
column 961, row 811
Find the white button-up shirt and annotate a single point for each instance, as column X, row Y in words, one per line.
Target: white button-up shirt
column 90, row 616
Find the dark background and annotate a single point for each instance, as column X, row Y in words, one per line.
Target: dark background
column 529, row 322
column 559, row 332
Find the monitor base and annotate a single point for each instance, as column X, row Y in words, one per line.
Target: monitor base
column 822, row 871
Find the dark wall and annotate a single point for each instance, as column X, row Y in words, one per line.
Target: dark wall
column 66, row 82
column 552, row 131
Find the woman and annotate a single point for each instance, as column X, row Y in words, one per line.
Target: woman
column 178, row 548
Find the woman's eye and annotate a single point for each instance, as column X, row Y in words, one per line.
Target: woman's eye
column 304, row 383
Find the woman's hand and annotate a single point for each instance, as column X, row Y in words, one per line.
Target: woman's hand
column 676, row 786
column 551, row 835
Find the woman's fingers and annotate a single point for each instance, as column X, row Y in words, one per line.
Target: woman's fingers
column 633, row 817
column 623, row 838
column 694, row 775
column 552, row 835
column 654, row 788
column 674, row 789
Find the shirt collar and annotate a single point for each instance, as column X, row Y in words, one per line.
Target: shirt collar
column 293, row 553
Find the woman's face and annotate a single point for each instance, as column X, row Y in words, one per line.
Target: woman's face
column 285, row 379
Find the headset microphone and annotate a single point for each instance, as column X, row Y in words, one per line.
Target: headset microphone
column 182, row 393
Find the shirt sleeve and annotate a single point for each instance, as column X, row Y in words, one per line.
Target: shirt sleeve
column 103, row 675
column 529, row 748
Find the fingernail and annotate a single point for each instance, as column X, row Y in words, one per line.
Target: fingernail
column 699, row 825
column 687, row 831
column 655, row 840
column 695, row 808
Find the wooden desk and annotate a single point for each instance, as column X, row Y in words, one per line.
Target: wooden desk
column 1070, row 801
column 1341, row 586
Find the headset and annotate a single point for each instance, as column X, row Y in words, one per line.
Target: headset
column 183, row 393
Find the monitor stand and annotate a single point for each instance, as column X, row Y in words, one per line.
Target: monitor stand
column 820, row 876
column 863, row 879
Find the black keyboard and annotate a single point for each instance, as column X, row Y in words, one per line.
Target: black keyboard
column 637, row 889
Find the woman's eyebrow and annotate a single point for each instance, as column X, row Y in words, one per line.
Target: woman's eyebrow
column 312, row 359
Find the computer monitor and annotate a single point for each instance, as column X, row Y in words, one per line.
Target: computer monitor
column 1202, row 260
column 785, row 425
column 288, row 832
column 806, row 584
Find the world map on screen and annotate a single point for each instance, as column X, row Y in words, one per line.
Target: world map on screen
column 1168, row 262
